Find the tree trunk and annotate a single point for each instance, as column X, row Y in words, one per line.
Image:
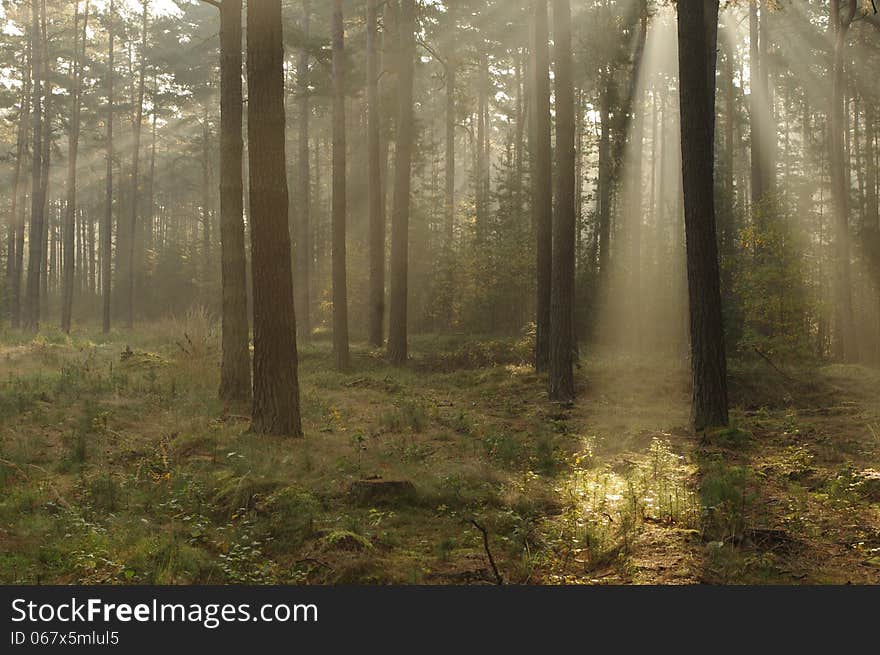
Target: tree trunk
column 54, row 254
column 728, row 229
column 634, row 199
column 697, row 27
column 857, row 160
column 73, row 149
column 131, row 265
column 845, row 346
column 871, row 213
column 150, row 222
column 90, row 225
column 562, row 294
column 397, row 329
column 770, row 145
column 80, row 266
column 542, row 179
column 519, row 137
column 374, row 185
column 35, row 238
column 14, row 252
column 303, row 268
column 206, row 203
column 43, row 304
column 605, row 179
column 106, row 229
column 107, row 223
column 47, row 205
column 755, row 103
column 340, row 293
column 387, row 92
column 451, row 80
column 235, row 369
column 482, row 188
column 276, row 385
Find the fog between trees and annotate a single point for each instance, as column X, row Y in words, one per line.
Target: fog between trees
column 601, row 178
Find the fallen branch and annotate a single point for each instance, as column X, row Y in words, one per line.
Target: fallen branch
column 16, row 467
column 312, row 560
column 774, row 366
column 191, row 351
column 58, row 497
column 479, row 527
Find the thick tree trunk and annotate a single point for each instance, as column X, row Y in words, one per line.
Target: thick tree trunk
column 697, row 27
column 340, row 278
column 562, row 296
column 397, row 335
column 276, row 384
column 542, row 179
column 235, row 369
column 375, row 182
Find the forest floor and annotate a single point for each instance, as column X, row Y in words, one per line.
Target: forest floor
column 118, row 465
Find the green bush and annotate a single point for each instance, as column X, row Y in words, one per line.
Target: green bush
column 776, row 304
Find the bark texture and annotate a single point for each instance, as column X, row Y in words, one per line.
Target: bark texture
column 697, row 29
column 276, row 384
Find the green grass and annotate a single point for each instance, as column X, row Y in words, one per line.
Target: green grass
column 143, row 479
column 120, row 466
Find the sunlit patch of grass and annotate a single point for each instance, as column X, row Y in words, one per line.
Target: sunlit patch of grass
column 520, row 370
column 606, row 506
